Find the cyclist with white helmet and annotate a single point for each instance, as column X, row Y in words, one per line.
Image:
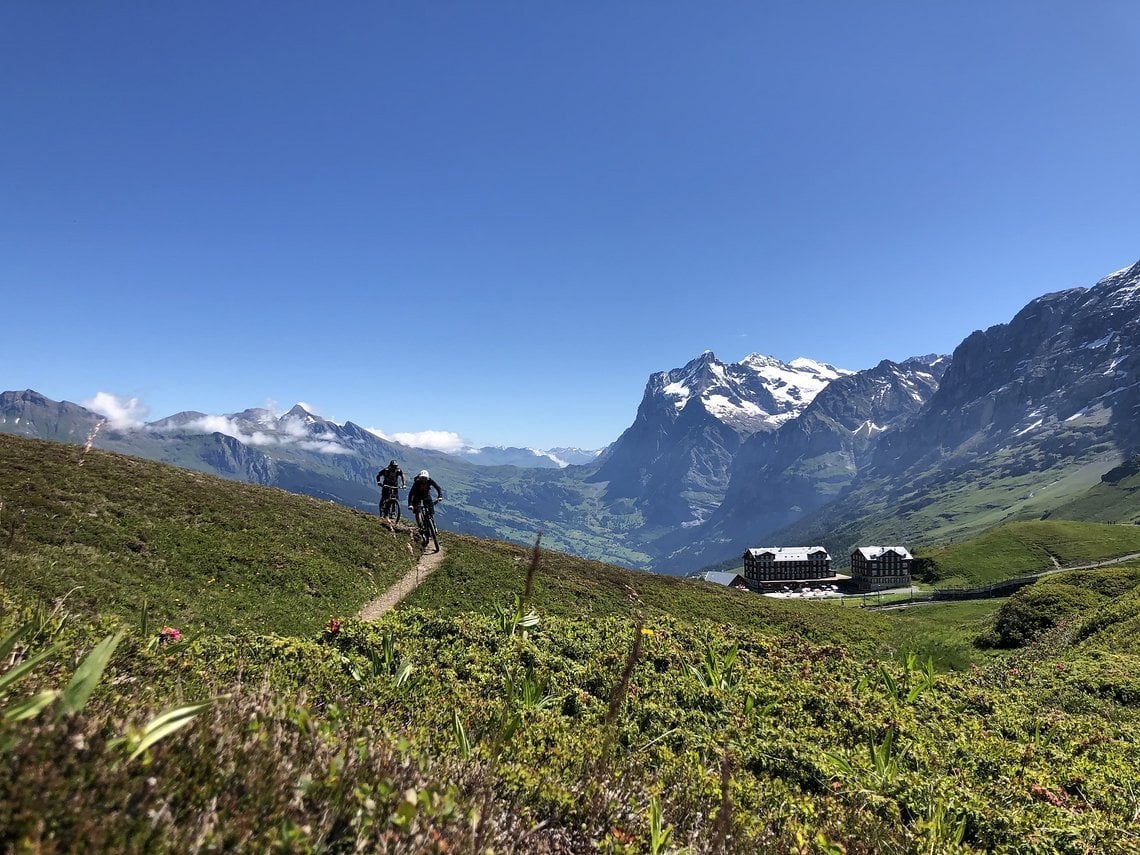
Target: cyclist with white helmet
column 419, row 494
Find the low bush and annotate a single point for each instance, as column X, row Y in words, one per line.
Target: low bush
column 1036, row 609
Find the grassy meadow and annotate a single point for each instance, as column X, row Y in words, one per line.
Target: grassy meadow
column 517, row 703
column 1022, row 548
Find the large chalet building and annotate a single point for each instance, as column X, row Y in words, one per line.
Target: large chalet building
column 786, row 563
column 874, row 568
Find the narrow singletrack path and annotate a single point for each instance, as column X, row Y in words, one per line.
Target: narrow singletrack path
column 387, row 601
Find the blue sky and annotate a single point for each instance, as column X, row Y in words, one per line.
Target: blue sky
column 497, row 219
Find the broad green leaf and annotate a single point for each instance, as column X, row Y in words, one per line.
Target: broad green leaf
column 89, row 672
column 889, row 681
column 30, row 707
column 165, row 724
column 405, row 672
column 460, row 735
column 840, row 763
column 14, row 675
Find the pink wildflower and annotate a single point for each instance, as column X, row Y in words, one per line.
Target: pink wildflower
column 169, row 633
column 333, row 626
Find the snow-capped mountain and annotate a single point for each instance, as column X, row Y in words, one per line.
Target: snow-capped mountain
column 262, row 428
column 673, row 461
column 759, row 392
column 1027, row 415
column 1063, row 373
column 527, row 458
column 779, row 476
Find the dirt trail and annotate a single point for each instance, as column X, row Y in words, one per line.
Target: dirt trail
column 387, row 601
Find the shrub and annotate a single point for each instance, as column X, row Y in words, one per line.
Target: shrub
column 1033, row 610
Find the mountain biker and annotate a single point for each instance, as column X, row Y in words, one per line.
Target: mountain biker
column 420, row 493
column 389, row 479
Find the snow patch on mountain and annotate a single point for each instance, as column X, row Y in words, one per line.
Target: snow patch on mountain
column 679, row 392
column 261, row 428
column 527, row 458
column 759, row 392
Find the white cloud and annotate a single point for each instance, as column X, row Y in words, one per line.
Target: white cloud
column 436, row 440
column 324, row 446
column 294, row 426
column 223, row 425
column 121, row 413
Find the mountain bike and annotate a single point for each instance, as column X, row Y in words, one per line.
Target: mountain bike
column 425, row 525
column 390, row 503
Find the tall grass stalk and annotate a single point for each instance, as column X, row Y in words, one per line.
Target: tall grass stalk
column 617, row 699
column 531, row 572
column 723, row 824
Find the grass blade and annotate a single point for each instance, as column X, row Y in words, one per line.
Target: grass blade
column 165, row 724
column 14, row 675
column 30, row 707
column 89, row 672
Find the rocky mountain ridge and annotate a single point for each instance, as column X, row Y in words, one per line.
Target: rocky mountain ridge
column 672, row 464
column 1027, row 417
column 1020, row 420
column 780, row 476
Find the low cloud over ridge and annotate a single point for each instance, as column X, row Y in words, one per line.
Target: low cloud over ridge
column 120, row 413
column 433, row 440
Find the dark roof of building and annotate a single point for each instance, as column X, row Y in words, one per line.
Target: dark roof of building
column 790, row 553
column 726, row 579
column 873, row 552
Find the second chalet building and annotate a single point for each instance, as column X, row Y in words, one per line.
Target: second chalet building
column 874, row 568
column 786, row 563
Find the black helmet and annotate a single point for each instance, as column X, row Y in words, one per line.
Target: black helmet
column 391, row 462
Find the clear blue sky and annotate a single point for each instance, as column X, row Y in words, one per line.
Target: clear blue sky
column 497, row 219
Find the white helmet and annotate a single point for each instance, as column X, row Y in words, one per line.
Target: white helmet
column 423, row 474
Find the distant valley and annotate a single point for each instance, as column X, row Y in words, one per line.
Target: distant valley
column 1022, row 419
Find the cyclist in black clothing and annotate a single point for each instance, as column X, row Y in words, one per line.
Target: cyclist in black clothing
column 388, row 479
column 420, row 494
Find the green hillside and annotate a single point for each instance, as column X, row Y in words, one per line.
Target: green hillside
column 1022, row 548
column 478, row 575
column 603, row 712
column 113, row 532
column 1115, row 499
column 935, row 509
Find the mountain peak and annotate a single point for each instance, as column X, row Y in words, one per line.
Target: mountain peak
column 757, row 393
column 299, row 412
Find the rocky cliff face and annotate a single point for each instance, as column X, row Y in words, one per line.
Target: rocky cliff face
column 673, row 462
column 779, row 476
column 1059, row 377
column 29, row 413
column 1028, row 415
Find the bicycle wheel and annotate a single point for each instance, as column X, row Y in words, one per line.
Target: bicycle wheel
column 432, row 532
column 390, row 510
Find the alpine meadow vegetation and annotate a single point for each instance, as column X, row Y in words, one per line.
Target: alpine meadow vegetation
column 520, row 701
